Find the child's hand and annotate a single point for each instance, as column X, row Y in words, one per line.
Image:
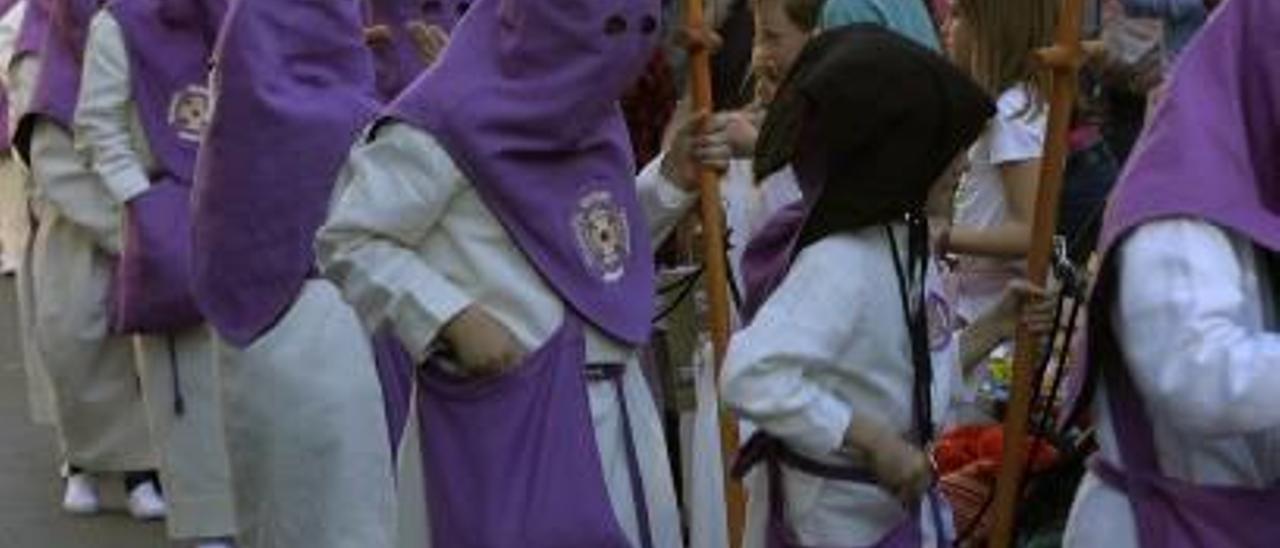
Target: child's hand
column 1031, row 305
column 741, row 131
column 900, row 467
column 691, row 150
column 377, row 35
column 483, row 346
column 430, row 39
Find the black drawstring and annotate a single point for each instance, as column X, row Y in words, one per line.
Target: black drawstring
column 179, row 405
column 917, row 320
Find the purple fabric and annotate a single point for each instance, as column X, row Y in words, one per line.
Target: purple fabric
column 513, row 461
column 153, row 276
column 525, row 100
column 5, row 142
column 395, row 374
column 1212, row 152
column 768, row 256
column 398, row 62
column 62, row 51
column 169, row 84
column 149, row 292
column 35, row 26
column 296, row 89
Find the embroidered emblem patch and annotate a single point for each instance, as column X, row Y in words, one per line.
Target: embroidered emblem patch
column 941, row 321
column 190, row 111
column 603, row 234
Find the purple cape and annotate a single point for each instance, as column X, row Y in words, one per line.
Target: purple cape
column 62, row 52
column 397, row 63
column 295, row 88
column 525, row 100
column 169, row 84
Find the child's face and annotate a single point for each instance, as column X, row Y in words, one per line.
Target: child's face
column 959, row 41
column 778, row 40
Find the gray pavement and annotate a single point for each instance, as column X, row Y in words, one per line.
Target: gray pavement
column 30, row 490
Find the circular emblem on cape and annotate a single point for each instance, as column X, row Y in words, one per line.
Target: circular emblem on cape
column 603, row 235
column 189, row 112
column 941, row 321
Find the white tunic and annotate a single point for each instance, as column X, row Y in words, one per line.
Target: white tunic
column 1196, row 321
column 14, row 220
column 193, row 460
column 831, row 342
column 1015, row 134
column 411, row 244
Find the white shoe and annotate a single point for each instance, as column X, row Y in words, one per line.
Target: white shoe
column 214, row 544
column 81, row 497
column 145, row 503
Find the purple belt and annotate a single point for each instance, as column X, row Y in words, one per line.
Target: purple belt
column 762, row 448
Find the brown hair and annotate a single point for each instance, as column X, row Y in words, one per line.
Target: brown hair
column 1004, row 34
column 804, row 14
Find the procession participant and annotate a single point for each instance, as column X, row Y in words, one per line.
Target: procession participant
column 304, row 418
column 20, row 71
column 910, row 18
column 141, row 114
column 101, row 419
column 1183, row 345
column 494, row 224
column 834, row 365
column 14, row 218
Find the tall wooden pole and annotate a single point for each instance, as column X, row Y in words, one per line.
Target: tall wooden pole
column 1064, row 59
column 715, row 271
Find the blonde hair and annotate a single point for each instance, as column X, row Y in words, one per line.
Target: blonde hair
column 1004, row 34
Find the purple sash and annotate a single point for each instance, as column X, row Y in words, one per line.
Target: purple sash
column 762, row 448
column 151, row 293
column 513, row 461
column 1171, row 513
column 395, row 374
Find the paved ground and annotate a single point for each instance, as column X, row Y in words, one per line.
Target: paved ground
column 29, row 486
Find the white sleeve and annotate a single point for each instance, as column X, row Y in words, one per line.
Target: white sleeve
column 10, row 25
column 663, row 202
column 1182, row 319
column 392, row 193
column 1017, row 131
column 102, row 120
column 806, row 326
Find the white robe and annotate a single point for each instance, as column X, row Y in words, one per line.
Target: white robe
column 411, row 244
column 20, row 78
column 306, row 432
column 192, row 454
column 1197, row 323
column 101, row 421
column 14, row 220
column 829, row 343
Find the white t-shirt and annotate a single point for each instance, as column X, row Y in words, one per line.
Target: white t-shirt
column 1015, row 134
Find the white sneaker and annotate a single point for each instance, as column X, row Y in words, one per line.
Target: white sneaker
column 81, row 497
column 214, row 544
column 145, row 503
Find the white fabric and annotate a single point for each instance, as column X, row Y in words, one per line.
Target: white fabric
column 306, row 432
column 411, row 244
column 193, row 458
column 1015, row 134
column 831, row 342
column 14, row 223
column 108, row 131
column 1197, row 325
column 39, row 387
column 102, row 424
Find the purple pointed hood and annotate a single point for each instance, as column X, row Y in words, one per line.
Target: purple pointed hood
column 525, row 100
column 295, row 89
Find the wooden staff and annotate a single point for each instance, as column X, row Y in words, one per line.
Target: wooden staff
column 1064, row 59
column 714, row 268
